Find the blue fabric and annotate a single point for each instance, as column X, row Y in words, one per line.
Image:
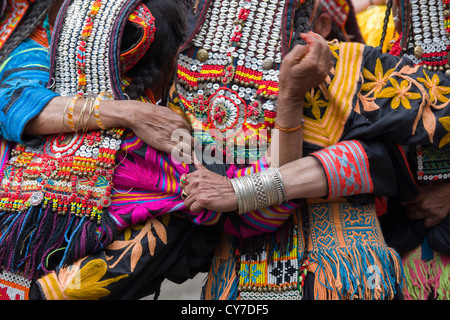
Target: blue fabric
column 23, row 93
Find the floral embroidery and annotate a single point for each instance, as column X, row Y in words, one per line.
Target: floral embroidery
column 379, row 78
column 400, row 93
column 86, row 283
column 314, row 103
column 78, row 283
column 135, row 243
column 446, row 124
column 436, row 92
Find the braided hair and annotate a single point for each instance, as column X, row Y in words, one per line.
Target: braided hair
column 301, row 22
column 386, row 22
column 170, row 33
column 33, row 18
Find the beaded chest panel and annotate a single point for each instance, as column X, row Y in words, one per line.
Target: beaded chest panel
column 429, row 43
column 70, row 172
column 228, row 77
column 431, row 164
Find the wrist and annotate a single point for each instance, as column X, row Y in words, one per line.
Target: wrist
column 259, row 190
column 291, row 97
column 127, row 113
column 290, row 110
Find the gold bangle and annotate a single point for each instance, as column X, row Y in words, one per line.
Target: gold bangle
column 289, row 129
column 72, row 102
column 97, row 108
column 81, row 117
column 91, row 112
column 64, row 114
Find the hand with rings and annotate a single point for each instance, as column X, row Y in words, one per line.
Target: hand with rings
column 204, row 189
column 184, row 195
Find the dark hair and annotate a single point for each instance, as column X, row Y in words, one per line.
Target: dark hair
column 386, row 22
column 170, row 21
column 35, row 15
column 301, row 22
column 352, row 27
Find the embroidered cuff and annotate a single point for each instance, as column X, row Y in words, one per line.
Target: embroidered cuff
column 346, row 166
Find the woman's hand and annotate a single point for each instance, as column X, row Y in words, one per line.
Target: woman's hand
column 432, row 204
column 162, row 129
column 304, row 67
column 208, row 190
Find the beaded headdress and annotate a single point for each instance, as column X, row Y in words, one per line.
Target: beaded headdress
column 426, row 31
column 426, row 41
column 12, row 12
column 94, row 63
column 228, row 72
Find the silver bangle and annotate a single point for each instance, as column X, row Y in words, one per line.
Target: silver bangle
column 237, row 189
column 280, row 186
column 259, row 190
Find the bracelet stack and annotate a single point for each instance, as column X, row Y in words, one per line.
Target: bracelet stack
column 259, row 190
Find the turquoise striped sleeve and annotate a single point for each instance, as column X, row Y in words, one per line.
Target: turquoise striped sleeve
column 23, row 90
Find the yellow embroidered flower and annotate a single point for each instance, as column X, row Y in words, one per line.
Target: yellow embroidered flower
column 446, row 124
column 378, row 78
column 87, row 285
column 436, row 92
column 400, row 93
column 314, row 103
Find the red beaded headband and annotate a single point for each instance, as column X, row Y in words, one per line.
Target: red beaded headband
column 144, row 19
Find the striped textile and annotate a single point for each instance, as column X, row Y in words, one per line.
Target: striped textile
column 329, row 128
column 347, row 169
column 146, row 185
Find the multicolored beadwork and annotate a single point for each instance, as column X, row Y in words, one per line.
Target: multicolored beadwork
column 429, row 41
column 432, row 164
column 81, row 49
column 14, row 12
column 13, row 286
column 228, row 78
column 274, row 277
column 71, row 173
column 142, row 17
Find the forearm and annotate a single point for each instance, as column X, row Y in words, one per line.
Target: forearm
column 304, row 178
column 54, row 120
column 287, row 138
